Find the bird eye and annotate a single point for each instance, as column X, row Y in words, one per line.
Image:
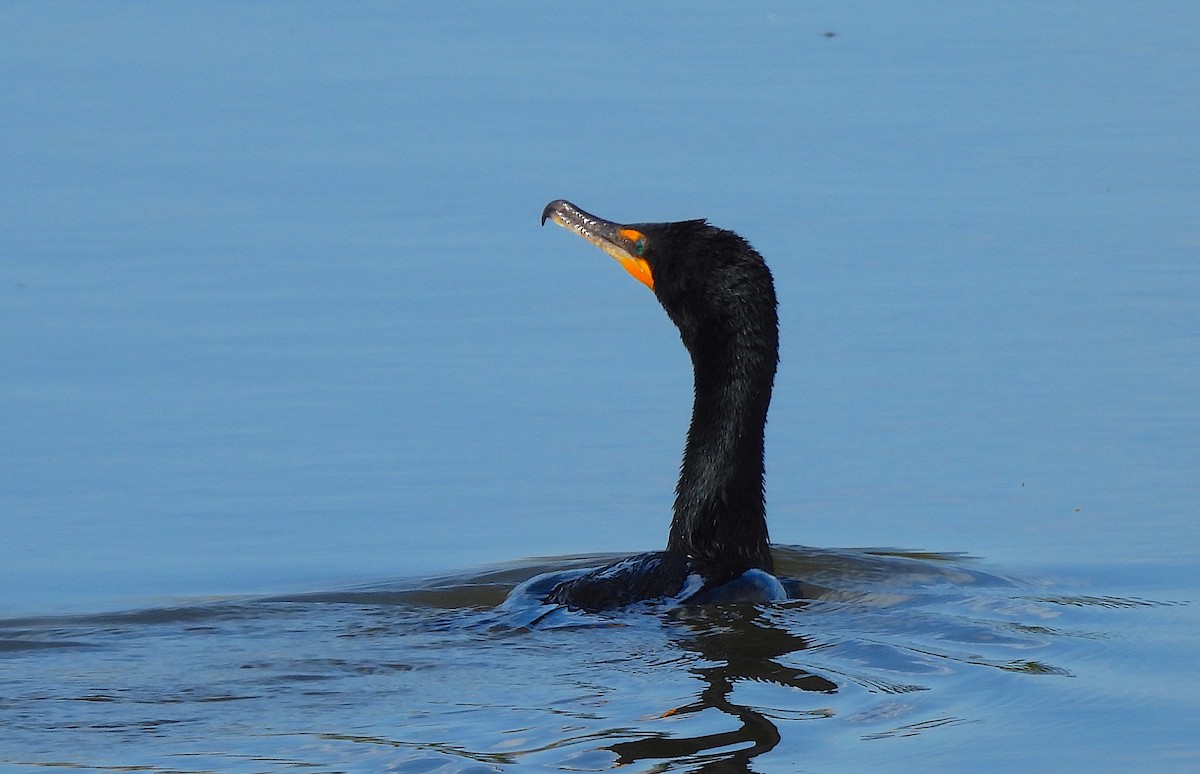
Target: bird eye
column 639, row 247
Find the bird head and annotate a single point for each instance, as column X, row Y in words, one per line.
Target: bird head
column 711, row 282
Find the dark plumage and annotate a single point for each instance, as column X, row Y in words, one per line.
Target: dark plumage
column 719, row 293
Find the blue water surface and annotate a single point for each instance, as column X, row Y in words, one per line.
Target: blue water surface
column 277, row 317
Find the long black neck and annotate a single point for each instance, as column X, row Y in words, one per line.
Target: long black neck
column 720, row 515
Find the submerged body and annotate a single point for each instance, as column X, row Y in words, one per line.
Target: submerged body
column 718, row 291
column 664, row 575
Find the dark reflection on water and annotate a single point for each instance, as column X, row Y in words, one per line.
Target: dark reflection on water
column 426, row 674
column 741, row 644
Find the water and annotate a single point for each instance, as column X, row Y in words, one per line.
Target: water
column 905, row 660
column 286, row 359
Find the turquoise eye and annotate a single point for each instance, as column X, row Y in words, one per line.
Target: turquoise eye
column 639, row 247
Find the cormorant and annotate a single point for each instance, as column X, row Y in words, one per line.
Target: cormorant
column 718, row 291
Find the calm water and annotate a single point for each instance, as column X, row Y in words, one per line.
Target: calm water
column 285, row 360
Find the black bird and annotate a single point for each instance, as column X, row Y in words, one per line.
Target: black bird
column 718, row 291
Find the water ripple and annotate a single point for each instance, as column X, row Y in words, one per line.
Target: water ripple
column 430, row 672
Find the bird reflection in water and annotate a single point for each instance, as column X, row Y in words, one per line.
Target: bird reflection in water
column 740, row 644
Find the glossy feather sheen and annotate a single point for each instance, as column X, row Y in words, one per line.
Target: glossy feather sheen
column 719, row 293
